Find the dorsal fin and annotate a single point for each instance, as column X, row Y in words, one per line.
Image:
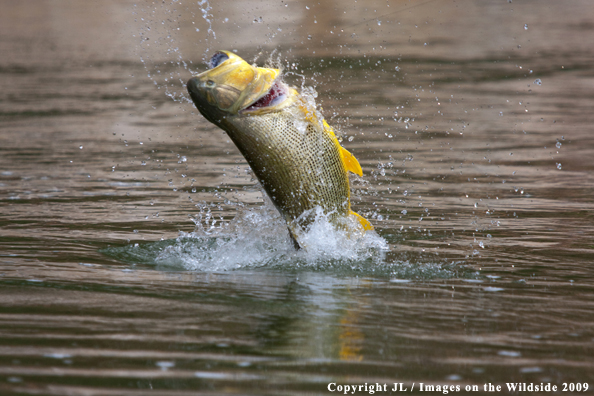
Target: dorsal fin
column 350, row 162
column 328, row 128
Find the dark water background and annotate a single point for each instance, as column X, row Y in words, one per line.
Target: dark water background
column 472, row 121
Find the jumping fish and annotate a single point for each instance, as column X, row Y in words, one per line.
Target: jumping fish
column 293, row 152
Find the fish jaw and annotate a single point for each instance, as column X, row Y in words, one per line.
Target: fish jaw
column 233, row 85
column 203, row 100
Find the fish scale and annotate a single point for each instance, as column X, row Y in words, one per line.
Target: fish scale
column 289, row 164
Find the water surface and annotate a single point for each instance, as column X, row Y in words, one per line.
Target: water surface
column 138, row 256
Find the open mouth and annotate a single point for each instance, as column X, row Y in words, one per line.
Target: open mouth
column 276, row 95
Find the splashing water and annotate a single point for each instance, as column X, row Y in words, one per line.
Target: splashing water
column 269, row 248
column 159, row 44
column 206, row 8
column 258, row 237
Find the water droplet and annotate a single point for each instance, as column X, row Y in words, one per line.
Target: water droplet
column 525, row 26
column 404, row 211
column 509, row 353
column 538, row 81
column 559, row 165
column 57, row 355
column 165, row 365
column 558, row 145
column 525, row 370
column 81, row 147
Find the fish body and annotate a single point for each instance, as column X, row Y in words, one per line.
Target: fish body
column 293, row 152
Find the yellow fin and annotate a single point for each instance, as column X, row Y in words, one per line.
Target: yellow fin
column 350, row 162
column 364, row 222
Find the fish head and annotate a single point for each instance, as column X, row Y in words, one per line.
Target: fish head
column 232, row 86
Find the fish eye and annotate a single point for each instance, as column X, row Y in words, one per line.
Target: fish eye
column 210, row 83
column 217, row 59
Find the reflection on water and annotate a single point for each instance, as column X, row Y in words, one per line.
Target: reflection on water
column 136, row 253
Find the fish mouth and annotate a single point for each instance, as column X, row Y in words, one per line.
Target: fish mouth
column 276, row 95
column 234, row 86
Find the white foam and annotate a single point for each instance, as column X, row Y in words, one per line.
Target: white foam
column 259, row 237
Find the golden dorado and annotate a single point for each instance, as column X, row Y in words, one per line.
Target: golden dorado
column 293, row 152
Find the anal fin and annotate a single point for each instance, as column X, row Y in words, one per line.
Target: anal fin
column 363, row 221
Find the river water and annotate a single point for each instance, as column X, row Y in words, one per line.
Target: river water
column 138, row 256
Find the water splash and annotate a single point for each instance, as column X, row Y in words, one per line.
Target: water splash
column 257, row 237
column 161, row 31
column 208, row 17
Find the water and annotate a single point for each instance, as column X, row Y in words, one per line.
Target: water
column 474, row 134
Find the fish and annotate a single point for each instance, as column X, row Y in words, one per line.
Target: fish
column 291, row 149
